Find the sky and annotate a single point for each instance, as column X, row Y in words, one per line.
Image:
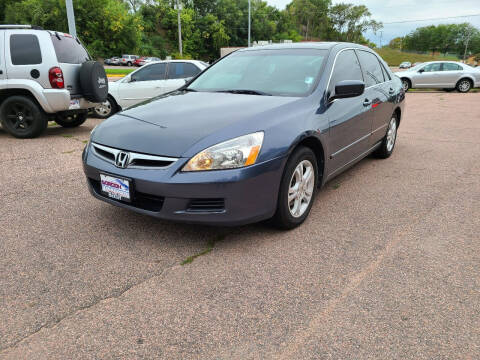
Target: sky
column 388, row 11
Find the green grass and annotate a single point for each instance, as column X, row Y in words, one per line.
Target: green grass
column 118, row 71
column 396, row 57
column 210, row 246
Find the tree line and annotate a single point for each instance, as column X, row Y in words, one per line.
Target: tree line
column 149, row 27
column 444, row 38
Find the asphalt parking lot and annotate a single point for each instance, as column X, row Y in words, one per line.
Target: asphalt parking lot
column 387, row 266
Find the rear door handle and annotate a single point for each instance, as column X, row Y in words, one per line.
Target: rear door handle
column 367, row 102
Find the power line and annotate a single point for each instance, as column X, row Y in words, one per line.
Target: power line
column 440, row 18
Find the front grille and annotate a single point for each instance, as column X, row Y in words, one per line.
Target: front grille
column 134, row 160
column 206, row 205
column 139, row 200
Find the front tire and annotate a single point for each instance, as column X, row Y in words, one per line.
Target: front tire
column 406, row 84
column 297, row 189
column 388, row 142
column 129, row 63
column 71, row 120
column 22, row 117
column 464, row 85
column 106, row 109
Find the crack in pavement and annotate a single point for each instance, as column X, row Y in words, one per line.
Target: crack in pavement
column 114, row 295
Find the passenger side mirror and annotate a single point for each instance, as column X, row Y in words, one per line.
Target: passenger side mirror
column 347, row 89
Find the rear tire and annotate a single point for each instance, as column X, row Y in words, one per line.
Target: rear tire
column 464, row 85
column 71, row 120
column 388, row 142
column 297, row 189
column 22, row 117
column 129, row 63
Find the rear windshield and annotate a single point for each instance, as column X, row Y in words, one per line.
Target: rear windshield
column 69, row 50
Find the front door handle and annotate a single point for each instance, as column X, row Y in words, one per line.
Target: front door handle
column 367, row 102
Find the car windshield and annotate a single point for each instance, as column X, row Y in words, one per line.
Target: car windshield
column 290, row 72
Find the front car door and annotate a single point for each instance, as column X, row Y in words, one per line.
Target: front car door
column 350, row 119
column 378, row 88
column 178, row 72
column 428, row 76
column 143, row 84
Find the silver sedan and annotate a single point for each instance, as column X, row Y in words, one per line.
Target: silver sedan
column 448, row 75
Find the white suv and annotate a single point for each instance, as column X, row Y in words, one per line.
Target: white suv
column 45, row 75
column 128, row 59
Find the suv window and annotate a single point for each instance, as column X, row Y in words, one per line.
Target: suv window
column 432, row 67
column 25, row 49
column 69, row 50
column 150, row 72
column 179, row 70
column 371, row 68
column 451, row 67
column 347, row 67
column 386, row 75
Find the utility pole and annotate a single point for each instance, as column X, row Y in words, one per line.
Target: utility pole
column 71, row 18
column 180, row 47
column 249, row 22
column 466, row 47
column 381, row 37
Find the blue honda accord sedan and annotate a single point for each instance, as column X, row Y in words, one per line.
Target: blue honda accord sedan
column 250, row 138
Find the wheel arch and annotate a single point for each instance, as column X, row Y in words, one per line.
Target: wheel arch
column 466, row 77
column 6, row 93
column 315, row 144
column 398, row 114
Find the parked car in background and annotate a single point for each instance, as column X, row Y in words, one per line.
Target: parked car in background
column 405, row 65
column 251, row 138
column 138, row 60
column 448, row 75
column 416, row 64
column 112, row 61
column 150, row 80
column 128, row 60
column 46, row 75
column 148, row 60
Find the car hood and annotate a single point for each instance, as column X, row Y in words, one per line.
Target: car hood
column 171, row 124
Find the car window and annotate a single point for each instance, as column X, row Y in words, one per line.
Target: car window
column 69, row 50
column 282, row 72
column 150, row 72
column 179, row 70
column 432, row 67
column 386, row 75
column 371, row 68
column 347, row 67
column 25, row 49
column 451, row 67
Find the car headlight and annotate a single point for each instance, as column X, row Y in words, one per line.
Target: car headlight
column 236, row 153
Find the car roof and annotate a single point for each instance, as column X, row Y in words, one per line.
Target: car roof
column 305, row 45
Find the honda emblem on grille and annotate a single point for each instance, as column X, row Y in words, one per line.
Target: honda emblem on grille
column 122, row 159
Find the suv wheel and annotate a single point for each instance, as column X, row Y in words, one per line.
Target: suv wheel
column 105, row 109
column 71, row 120
column 22, row 117
column 129, row 63
column 297, row 189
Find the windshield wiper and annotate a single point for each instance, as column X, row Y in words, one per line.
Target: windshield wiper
column 189, row 89
column 247, row 92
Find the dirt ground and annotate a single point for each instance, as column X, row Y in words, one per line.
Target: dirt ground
column 387, row 266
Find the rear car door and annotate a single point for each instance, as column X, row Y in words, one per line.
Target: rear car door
column 350, row 119
column 451, row 73
column 3, row 69
column 378, row 89
column 143, row 84
column 429, row 76
column 178, row 72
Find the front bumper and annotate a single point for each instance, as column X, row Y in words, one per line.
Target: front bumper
column 249, row 194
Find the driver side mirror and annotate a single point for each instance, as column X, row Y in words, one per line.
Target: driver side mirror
column 347, row 89
column 421, row 71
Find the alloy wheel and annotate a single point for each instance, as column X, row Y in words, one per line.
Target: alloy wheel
column 464, row 86
column 19, row 116
column 405, row 85
column 104, row 109
column 391, row 134
column 301, row 188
